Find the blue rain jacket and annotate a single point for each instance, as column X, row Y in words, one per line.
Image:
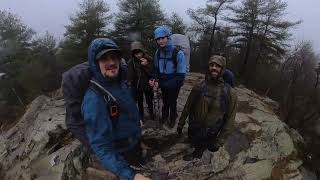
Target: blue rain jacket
column 164, row 68
column 102, row 135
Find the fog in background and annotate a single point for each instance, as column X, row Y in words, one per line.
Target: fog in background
column 52, row 16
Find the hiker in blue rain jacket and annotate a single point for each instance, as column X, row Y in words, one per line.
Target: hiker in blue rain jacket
column 110, row 114
column 169, row 73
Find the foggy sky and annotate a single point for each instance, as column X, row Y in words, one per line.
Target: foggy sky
column 53, row 15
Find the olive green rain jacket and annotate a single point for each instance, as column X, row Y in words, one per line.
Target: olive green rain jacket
column 204, row 110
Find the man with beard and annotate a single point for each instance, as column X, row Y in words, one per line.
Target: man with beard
column 211, row 107
column 110, row 114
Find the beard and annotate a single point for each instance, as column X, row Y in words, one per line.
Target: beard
column 215, row 74
column 112, row 72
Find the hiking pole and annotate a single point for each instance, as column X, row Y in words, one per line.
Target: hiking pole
column 156, row 103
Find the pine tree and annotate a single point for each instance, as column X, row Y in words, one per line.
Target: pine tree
column 90, row 22
column 177, row 25
column 206, row 22
column 260, row 31
column 137, row 20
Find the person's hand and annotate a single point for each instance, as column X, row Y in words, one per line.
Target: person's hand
column 179, row 130
column 156, row 84
column 140, row 177
column 141, row 123
column 151, row 82
column 144, row 61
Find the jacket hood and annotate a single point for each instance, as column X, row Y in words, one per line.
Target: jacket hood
column 96, row 47
column 162, row 31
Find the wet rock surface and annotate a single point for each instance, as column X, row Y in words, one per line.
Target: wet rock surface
column 262, row 147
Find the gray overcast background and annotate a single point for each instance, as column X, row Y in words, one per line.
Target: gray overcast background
column 52, row 16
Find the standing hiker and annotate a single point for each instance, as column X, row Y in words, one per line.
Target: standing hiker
column 109, row 112
column 169, row 73
column 211, row 108
column 139, row 73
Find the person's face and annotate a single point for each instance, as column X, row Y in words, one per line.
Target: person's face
column 215, row 70
column 162, row 41
column 138, row 54
column 109, row 65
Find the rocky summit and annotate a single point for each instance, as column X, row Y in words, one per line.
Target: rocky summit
column 261, row 147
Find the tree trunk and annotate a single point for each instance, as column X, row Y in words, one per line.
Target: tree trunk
column 246, row 57
column 212, row 39
column 317, row 82
column 214, row 29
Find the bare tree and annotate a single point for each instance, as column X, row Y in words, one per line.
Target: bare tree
column 300, row 75
column 206, row 19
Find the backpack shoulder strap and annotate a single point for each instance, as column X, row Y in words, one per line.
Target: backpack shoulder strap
column 174, row 56
column 226, row 97
column 203, row 88
column 158, row 57
column 111, row 101
column 102, row 91
column 158, row 54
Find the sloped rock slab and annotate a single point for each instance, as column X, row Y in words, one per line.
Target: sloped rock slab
column 253, row 151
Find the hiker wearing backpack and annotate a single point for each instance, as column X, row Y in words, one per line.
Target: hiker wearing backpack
column 75, row 83
column 110, row 113
column 139, row 73
column 211, row 108
column 169, row 73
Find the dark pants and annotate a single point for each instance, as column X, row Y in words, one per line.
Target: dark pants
column 169, row 98
column 203, row 138
column 147, row 92
column 134, row 156
column 201, row 144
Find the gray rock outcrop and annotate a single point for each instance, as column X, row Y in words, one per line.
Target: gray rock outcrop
column 262, row 147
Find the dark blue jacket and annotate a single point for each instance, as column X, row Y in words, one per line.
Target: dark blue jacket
column 102, row 135
column 170, row 77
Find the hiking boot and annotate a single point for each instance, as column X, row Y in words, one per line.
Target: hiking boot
column 163, row 120
column 172, row 123
column 151, row 117
column 195, row 155
column 213, row 148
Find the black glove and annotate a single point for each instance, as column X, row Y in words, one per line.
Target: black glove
column 213, row 147
column 179, row 130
